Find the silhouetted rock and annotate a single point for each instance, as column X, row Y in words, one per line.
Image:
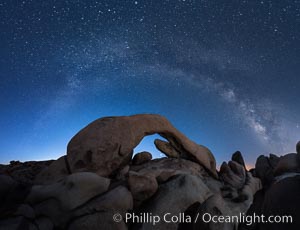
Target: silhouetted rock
column 54, row 172
column 52, row 210
column 287, row 163
column 273, row 160
column 141, row 158
column 251, row 186
column 191, row 211
column 24, row 172
column 238, row 158
column 233, row 174
column 282, row 199
column 255, row 209
column 166, row 148
column 214, row 206
column 26, row 211
column 298, row 147
column 7, row 184
column 264, row 170
column 97, row 179
column 13, row 194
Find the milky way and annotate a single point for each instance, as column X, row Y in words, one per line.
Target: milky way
column 225, row 73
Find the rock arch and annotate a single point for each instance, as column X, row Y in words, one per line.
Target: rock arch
column 107, row 143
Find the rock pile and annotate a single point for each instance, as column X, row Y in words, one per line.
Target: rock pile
column 99, row 183
column 279, row 195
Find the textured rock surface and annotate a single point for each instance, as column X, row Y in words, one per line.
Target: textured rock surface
column 52, row 210
column 215, row 206
column 12, row 196
column 62, row 195
column 175, row 197
column 54, row 172
column 164, row 168
column 78, row 188
column 252, row 185
column 264, row 170
column 118, row 199
column 238, row 158
column 233, row 174
column 282, row 199
column 24, row 172
column 141, row 158
column 273, row 160
column 287, row 163
column 141, row 186
column 166, row 148
column 107, row 143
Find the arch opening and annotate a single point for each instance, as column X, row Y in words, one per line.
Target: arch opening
column 147, row 144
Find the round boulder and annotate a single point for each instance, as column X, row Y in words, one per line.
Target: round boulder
column 72, row 191
column 287, row 163
column 141, row 186
column 141, row 158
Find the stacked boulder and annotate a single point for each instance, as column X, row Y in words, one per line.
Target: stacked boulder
column 236, row 196
column 280, row 177
column 99, row 182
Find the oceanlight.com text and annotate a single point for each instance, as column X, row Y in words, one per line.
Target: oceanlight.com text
column 206, row 218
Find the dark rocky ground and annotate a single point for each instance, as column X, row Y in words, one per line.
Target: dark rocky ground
column 99, row 177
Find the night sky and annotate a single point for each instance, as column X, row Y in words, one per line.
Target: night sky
column 224, row 72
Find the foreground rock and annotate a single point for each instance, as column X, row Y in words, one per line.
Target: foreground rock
column 72, row 191
column 98, row 185
column 175, row 197
column 55, row 171
column 280, row 193
column 280, row 199
column 238, row 158
column 233, row 174
column 286, row 164
column 142, row 186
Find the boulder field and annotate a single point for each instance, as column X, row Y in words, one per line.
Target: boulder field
column 100, row 184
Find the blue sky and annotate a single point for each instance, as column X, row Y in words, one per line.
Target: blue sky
column 225, row 73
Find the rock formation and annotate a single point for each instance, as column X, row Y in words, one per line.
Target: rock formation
column 141, row 158
column 280, row 192
column 107, row 144
column 99, row 184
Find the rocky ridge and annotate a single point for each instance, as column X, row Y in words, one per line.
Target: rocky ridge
column 99, row 177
